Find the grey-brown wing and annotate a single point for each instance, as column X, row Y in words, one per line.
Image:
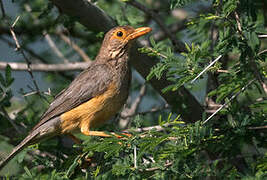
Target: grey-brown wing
column 90, row 83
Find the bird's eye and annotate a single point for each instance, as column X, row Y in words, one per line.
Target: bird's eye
column 119, row 34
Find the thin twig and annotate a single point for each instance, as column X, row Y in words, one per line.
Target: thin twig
column 33, row 54
column 206, row 68
column 239, row 27
column 124, row 122
column 135, row 157
column 28, row 50
column 13, row 33
column 18, row 48
column 222, row 71
column 177, row 44
column 74, row 46
column 173, row 28
column 257, row 75
column 54, row 47
column 259, row 127
column 138, row 100
column 48, row 92
column 30, row 93
column 48, row 39
column 253, row 64
column 145, row 129
column 11, row 120
column 3, row 9
column 157, row 168
column 262, row 36
column 157, row 53
column 46, row 67
column 264, row 51
column 159, row 128
column 226, row 103
column 153, row 110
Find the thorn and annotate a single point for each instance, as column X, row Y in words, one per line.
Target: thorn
column 206, row 68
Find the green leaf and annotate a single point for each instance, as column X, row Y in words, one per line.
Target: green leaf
column 73, row 166
column 229, row 6
column 253, row 41
column 21, row 156
column 28, row 172
column 120, row 169
column 179, row 3
column 9, row 79
column 152, row 41
column 2, row 80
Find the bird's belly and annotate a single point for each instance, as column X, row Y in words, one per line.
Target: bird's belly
column 94, row 112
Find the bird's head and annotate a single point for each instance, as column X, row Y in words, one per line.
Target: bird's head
column 118, row 40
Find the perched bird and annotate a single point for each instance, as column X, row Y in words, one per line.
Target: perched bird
column 94, row 96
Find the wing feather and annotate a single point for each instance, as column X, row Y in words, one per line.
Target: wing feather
column 88, row 84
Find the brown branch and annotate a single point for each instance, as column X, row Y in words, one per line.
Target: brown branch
column 239, row 27
column 129, row 112
column 98, row 21
column 182, row 100
column 46, row 67
column 145, row 129
column 157, row 168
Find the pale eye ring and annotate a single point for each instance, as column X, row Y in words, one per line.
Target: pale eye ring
column 119, row 34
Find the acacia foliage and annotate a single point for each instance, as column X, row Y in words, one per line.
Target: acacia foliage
column 231, row 145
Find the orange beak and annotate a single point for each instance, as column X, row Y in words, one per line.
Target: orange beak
column 138, row 32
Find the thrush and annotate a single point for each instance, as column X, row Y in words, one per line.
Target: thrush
column 94, row 96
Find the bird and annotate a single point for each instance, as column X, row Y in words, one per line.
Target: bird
column 94, row 96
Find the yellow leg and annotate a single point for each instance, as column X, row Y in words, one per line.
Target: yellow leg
column 86, row 131
column 95, row 133
column 103, row 134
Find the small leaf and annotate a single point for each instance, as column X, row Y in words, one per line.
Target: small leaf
column 152, row 41
column 2, row 80
column 253, row 41
column 9, row 78
column 73, row 166
column 28, row 172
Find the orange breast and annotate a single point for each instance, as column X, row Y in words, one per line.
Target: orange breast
column 93, row 112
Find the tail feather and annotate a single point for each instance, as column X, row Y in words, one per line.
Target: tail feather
column 48, row 129
column 18, row 149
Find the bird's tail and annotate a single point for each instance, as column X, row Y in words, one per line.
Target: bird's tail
column 18, row 149
column 43, row 131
